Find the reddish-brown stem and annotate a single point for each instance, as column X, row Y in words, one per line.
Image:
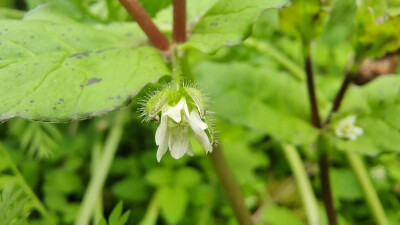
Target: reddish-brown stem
column 324, row 158
column 339, row 96
column 179, row 31
column 315, row 118
column 231, row 188
column 143, row 19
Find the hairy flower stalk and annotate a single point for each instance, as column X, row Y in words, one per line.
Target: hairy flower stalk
column 182, row 111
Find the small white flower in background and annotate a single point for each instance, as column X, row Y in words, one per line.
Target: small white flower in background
column 347, row 129
column 173, row 132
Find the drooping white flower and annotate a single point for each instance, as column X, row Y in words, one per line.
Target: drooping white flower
column 347, row 129
column 173, row 132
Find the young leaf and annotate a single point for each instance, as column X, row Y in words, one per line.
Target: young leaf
column 173, row 204
column 60, row 71
column 228, row 23
column 116, row 217
column 12, row 204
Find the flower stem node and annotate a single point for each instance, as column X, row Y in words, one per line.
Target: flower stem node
column 181, row 110
column 347, row 129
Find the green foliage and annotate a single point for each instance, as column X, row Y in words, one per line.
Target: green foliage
column 228, row 23
column 116, row 217
column 72, row 61
column 12, row 204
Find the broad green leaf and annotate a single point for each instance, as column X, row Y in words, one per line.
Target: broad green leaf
column 60, row 71
column 264, row 100
column 336, row 30
column 345, row 185
column 228, row 22
column 159, row 176
column 187, row 177
column 276, row 215
column 303, row 19
column 173, row 204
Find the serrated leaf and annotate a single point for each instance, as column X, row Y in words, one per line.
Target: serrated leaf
column 173, row 204
column 60, row 71
column 261, row 100
column 228, row 22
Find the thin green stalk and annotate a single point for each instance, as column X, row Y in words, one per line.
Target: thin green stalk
column 37, row 203
column 304, row 185
column 268, row 49
column 370, row 194
column 98, row 179
column 230, row 187
column 176, row 68
column 96, row 157
column 153, row 210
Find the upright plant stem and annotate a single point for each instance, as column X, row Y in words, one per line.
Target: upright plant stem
column 179, row 30
column 324, row 158
column 37, row 203
column 176, row 68
column 369, row 191
column 231, row 188
column 305, row 189
column 98, row 179
column 143, row 19
column 339, row 96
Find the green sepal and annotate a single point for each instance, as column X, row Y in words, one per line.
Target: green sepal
column 161, row 98
column 198, row 99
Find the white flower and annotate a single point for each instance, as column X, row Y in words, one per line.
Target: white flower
column 173, row 132
column 346, row 128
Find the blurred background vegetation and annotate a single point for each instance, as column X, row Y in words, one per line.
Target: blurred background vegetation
column 47, row 167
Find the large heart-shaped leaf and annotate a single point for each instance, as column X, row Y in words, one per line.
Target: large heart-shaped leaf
column 61, row 70
column 228, row 22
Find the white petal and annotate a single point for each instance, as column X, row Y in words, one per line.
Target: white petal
column 195, row 117
column 175, row 112
column 178, row 141
column 190, row 150
column 202, row 138
column 161, row 130
column 162, row 148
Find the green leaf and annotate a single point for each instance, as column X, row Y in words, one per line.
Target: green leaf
column 60, row 71
column 261, row 97
column 345, row 185
column 336, row 30
column 173, row 204
column 131, row 189
column 159, row 176
column 276, row 215
column 187, row 177
column 227, row 23
column 303, row 19
column 12, row 203
column 116, row 217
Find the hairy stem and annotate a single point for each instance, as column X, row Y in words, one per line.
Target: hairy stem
column 21, row 180
column 370, row 194
column 179, row 30
column 231, row 188
column 304, row 185
column 324, row 158
column 143, row 19
column 176, row 68
column 98, row 179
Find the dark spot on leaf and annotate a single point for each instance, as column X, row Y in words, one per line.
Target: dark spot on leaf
column 62, row 35
column 118, row 97
column 6, row 29
column 129, row 34
column 1, row 58
column 381, row 102
column 110, row 98
column 19, row 75
column 0, row 33
column 35, row 64
column 31, row 101
column 80, row 55
column 225, row 20
column 54, row 108
column 69, row 29
column 58, row 48
column 91, row 81
column 32, row 37
column 26, row 110
column 77, row 39
column 103, row 50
